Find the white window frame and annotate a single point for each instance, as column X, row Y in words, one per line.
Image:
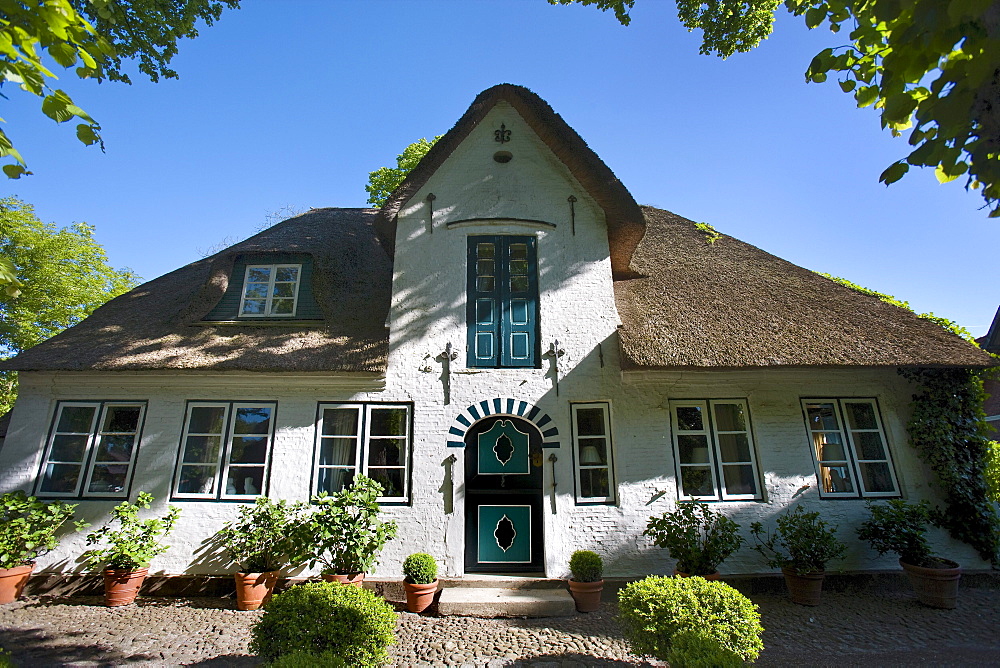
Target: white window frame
column 364, row 440
column 853, row 462
column 269, row 299
column 715, row 463
column 89, row 460
column 222, row 462
column 579, row 467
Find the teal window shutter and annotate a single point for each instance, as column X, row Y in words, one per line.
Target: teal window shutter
column 503, row 302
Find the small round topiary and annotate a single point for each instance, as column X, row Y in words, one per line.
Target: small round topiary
column 692, row 649
column 586, row 566
column 652, row 611
column 420, row 568
column 300, row 659
column 353, row 623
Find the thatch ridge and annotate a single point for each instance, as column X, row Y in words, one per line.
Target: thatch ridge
column 624, row 217
column 729, row 304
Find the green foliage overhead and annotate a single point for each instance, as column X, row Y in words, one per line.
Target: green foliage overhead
column 258, row 540
column 420, row 568
column 696, row 537
column 353, row 623
column 134, row 543
column 28, row 527
column 92, row 37
column 651, row 612
column 928, row 67
column 384, row 180
column 802, row 542
column 64, row 274
column 586, row 566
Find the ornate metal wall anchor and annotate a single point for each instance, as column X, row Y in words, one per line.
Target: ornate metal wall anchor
column 502, row 135
column 553, row 459
column 572, row 212
column 555, row 352
column 430, row 205
column 446, row 358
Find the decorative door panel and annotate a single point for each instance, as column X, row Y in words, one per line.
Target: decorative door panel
column 503, row 450
column 504, row 534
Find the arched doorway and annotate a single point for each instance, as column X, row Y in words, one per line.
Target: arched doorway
column 503, row 496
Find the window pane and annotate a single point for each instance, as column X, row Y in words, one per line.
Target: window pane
column 836, row 479
column 196, row 480
column 485, row 284
column 593, row 452
column 206, row 420
column 108, row 478
column 259, row 275
column 730, row 417
column 254, row 307
column 388, row 422
column 390, row 479
column 484, row 250
column 386, row 452
column 284, row 290
column 869, row 444
column 594, row 483
column 484, row 268
column 249, row 450
column 340, row 422
column 245, row 480
column 283, row 306
column 877, row 477
column 256, row 290
column 290, row 274
column 252, row 420
column 697, row 481
column 822, row 416
column 693, row 449
column 334, row 480
column 337, row 451
column 734, row 447
column 117, row 448
column 689, row 418
column 519, row 267
column 829, row 447
column 518, row 283
column 122, row 419
column 202, row 449
column 590, row 422
column 518, row 251
column 76, row 419
column 60, row 478
column 68, row 448
column 860, row 416
column 739, row 479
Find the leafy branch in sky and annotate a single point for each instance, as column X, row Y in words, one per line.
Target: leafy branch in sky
column 929, row 67
column 384, row 180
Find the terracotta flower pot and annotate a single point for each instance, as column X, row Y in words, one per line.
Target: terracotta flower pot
column 587, row 595
column 935, row 587
column 12, row 581
column 345, row 578
column 122, row 586
column 804, row 588
column 419, row 596
column 254, row 589
column 710, row 576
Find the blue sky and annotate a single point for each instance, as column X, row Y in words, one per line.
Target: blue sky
column 292, row 103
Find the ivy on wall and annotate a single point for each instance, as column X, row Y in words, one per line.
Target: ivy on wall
column 948, row 430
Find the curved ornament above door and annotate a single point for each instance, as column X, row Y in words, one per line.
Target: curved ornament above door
column 503, row 406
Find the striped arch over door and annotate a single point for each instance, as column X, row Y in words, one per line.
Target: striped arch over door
column 508, row 406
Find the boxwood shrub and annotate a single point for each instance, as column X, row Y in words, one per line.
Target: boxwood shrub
column 692, row 649
column 300, row 659
column 652, row 611
column 352, row 623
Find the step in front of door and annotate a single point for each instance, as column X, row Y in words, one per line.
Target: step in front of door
column 496, row 602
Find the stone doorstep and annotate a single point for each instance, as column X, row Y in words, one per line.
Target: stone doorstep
column 498, row 602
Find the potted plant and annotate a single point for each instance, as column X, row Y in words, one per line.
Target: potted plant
column 130, row 548
column 27, row 530
column 420, row 582
column 344, row 533
column 696, row 537
column 899, row 527
column 801, row 546
column 587, row 580
column 258, row 542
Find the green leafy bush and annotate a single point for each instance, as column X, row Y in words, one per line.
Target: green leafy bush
column 352, row 623
column 992, row 472
column 28, row 527
column 5, row 660
column 801, row 542
column 693, row 649
column 134, row 544
column 586, row 566
column 696, row 537
column 301, row 659
column 258, row 540
column 898, row 526
column 420, row 568
column 652, row 611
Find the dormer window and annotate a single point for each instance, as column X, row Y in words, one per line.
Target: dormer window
column 270, row 290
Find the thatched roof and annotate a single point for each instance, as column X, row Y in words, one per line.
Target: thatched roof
column 159, row 325
column 729, row 304
column 624, row 218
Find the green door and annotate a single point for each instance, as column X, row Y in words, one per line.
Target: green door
column 503, row 496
